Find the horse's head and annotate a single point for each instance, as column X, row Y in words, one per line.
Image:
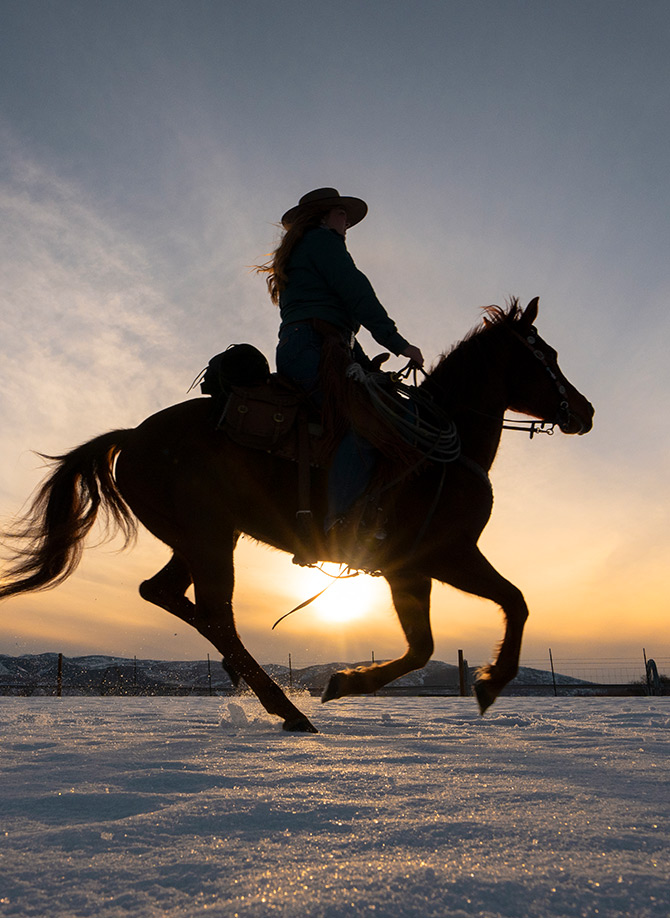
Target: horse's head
column 539, row 388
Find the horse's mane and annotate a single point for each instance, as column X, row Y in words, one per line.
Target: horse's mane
column 493, row 317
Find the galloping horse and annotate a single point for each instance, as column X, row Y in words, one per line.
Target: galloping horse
column 197, row 491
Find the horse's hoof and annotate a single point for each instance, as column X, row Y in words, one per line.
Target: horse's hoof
column 153, row 594
column 335, row 688
column 299, row 725
column 485, row 697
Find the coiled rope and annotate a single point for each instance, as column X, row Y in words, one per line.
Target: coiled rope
column 407, row 410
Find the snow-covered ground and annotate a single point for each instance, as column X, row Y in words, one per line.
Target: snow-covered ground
column 417, row 807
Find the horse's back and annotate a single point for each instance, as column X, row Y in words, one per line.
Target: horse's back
column 193, row 417
column 178, row 461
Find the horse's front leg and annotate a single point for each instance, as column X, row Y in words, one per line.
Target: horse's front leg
column 468, row 570
column 411, row 597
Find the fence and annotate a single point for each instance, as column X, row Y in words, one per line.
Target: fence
column 614, row 676
column 55, row 674
column 549, row 676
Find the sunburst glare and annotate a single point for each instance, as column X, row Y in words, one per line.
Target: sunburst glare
column 349, row 598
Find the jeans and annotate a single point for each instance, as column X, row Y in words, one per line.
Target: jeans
column 298, row 357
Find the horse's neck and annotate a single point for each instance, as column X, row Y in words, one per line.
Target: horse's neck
column 476, row 396
column 480, row 436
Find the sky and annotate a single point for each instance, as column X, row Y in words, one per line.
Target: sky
column 504, row 148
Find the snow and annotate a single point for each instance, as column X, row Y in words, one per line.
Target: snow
column 399, row 807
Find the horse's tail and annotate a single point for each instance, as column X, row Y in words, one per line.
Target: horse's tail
column 48, row 540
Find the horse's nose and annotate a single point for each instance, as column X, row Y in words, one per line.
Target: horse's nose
column 587, row 419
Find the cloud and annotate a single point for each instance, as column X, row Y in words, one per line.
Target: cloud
column 81, row 312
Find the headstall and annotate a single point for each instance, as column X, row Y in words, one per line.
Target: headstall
column 564, row 415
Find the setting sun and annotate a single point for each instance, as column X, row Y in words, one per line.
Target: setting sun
column 347, row 598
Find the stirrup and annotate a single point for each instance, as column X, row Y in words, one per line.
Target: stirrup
column 357, row 545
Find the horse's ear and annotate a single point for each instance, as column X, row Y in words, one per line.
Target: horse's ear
column 530, row 312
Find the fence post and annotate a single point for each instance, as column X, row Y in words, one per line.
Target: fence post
column 553, row 674
column 653, row 681
column 462, row 674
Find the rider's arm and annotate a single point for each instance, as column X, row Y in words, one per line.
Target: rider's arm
column 354, row 290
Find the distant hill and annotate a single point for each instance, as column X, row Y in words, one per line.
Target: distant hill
column 107, row 675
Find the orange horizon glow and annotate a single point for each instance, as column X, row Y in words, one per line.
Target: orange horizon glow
column 98, row 611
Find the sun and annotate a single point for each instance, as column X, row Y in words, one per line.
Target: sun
column 346, row 600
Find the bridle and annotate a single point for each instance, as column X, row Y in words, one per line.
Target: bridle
column 531, row 426
column 564, row 414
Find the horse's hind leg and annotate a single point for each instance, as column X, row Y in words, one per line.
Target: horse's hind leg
column 213, row 578
column 411, row 597
column 166, row 589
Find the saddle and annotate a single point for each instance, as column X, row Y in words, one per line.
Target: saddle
column 266, row 411
column 262, row 410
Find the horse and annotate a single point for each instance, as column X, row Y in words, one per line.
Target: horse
column 197, row 491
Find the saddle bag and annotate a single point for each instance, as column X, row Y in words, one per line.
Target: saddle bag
column 238, row 365
column 259, row 417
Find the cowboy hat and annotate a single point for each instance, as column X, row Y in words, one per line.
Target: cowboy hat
column 327, row 198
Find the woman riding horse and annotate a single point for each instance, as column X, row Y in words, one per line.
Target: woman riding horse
column 323, row 296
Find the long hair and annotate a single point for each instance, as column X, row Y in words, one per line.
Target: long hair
column 275, row 268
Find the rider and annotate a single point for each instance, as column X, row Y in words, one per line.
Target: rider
column 320, row 292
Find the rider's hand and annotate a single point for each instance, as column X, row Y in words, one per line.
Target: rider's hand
column 414, row 354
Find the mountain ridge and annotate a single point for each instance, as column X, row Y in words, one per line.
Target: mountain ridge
column 107, row 674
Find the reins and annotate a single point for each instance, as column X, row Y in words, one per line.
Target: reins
column 530, row 427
